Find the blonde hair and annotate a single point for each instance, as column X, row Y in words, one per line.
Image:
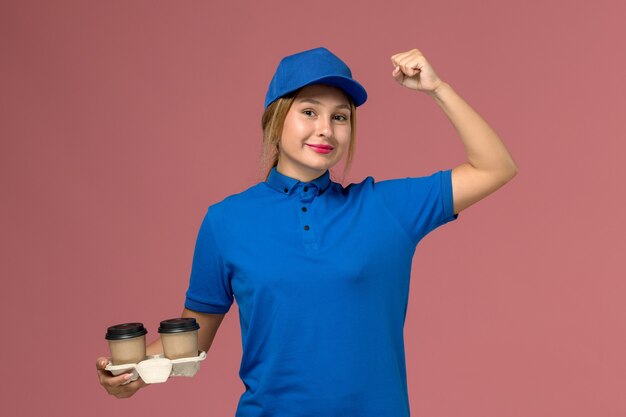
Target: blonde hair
column 272, row 123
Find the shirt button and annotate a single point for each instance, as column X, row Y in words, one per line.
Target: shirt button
column 286, row 189
column 306, row 189
column 304, row 209
column 306, row 227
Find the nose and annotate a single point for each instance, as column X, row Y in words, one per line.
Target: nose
column 324, row 127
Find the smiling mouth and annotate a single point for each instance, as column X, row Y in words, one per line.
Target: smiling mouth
column 327, row 147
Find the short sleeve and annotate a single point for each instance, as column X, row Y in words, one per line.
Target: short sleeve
column 419, row 204
column 209, row 285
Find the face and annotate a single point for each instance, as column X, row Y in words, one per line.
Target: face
column 316, row 133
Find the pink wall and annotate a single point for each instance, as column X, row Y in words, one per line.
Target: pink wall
column 121, row 121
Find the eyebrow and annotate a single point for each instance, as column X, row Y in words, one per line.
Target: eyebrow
column 313, row 101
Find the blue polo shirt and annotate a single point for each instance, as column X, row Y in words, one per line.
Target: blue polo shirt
column 321, row 277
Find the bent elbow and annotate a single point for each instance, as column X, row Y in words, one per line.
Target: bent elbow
column 511, row 171
column 505, row 175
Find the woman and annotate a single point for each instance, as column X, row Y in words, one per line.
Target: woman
column 321, row 271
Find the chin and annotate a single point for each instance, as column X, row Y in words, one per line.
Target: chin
column 320, row 167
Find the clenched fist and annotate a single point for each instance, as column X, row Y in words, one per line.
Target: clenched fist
column 412, row 70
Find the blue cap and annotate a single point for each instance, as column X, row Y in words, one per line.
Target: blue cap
column 315, row 66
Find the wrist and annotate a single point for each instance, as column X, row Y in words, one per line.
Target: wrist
column 440, row 91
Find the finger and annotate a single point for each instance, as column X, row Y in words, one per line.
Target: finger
column 405, row 70
column 101, row 363
column 136, row 384
column 413, row 65
column 116, row 381
column 128, row 390
column 408, row 70
column 105, row 377
column 398, row 75
column 397, row 58
column 400, row 65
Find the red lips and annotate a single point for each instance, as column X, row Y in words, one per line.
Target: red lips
column 321, row 146
column 322, row 149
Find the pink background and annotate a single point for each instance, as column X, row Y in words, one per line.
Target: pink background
column 121, row 121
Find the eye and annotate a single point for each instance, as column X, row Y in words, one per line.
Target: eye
column 341, row 117
column 308, row 112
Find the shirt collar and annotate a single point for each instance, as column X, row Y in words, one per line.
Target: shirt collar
column 285, row 184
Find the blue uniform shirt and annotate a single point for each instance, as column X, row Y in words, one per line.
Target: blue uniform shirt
column 321, row 277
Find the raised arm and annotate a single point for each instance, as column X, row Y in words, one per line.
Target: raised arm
column 489, row 165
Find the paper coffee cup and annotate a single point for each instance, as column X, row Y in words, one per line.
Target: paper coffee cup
column 127, row 343
column 179, row 337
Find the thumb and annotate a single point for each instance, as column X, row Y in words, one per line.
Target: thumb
column 101, row 363
column 398, row 75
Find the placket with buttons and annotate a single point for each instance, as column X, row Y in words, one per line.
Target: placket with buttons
column 307, row 193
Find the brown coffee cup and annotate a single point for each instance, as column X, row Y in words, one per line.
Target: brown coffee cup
column 127, row 343
column 179, row 337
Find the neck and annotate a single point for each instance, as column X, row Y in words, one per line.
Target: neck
column 303, row 176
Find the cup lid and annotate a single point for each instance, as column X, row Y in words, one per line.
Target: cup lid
column 177, row 325
column 125, row 331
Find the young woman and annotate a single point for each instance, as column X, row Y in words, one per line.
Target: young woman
column 321, row 271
